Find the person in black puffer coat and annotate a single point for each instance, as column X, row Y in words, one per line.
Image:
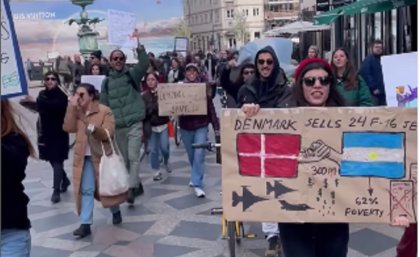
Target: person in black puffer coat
column 267, row 89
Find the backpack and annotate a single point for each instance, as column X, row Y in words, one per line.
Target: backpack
column 130, row 80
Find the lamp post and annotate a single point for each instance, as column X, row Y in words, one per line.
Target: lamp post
column 88, row 41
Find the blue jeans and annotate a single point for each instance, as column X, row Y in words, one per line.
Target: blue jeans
column 159, row 143
column 88, row 191
column 195, row 156
column 15, row 243
column 314, row 239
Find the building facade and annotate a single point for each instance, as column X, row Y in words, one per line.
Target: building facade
column 281, row 12
column 224, row 24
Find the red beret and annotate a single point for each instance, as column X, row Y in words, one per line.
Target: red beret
column 308, row 61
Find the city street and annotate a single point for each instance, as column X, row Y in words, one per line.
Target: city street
column 167, row 221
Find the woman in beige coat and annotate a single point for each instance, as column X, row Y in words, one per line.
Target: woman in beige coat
column 88, row 118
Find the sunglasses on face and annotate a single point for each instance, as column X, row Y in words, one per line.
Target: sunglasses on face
column 50, row 78
column 118, row 59
column 262, row 61
column 93, row 57
column 248, row 72
column 310, row 81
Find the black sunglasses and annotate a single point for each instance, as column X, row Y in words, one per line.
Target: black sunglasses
column 50, row 78
column 118, row 59
column 262, row 61
column 310, row 81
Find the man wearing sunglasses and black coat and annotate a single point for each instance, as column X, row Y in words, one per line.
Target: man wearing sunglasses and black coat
column 267, row 89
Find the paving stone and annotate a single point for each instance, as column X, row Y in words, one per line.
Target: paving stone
column 370, row 242
column 55, row 221
column 199, row 230
column 170, row 251
column 187, row 201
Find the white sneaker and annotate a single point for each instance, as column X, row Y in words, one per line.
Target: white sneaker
column 157, row 176
column 199, row 192
column 191, row 184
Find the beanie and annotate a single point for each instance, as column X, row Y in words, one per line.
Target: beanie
column 192, row 65
column 308, row 61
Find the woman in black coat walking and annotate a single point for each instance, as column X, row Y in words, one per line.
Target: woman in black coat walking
column 53, row 141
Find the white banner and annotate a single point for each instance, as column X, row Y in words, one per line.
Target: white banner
column 13, row 79
column 95, row 80
column 400, row 77
column 120, row 29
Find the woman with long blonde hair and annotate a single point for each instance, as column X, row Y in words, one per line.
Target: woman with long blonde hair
column 15, row 150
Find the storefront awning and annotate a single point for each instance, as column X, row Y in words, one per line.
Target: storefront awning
column 361, row 7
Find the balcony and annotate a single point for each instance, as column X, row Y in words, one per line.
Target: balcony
column 276, row 2
column 281, row 15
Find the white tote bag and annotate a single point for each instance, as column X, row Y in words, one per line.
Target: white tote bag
column 113, row 175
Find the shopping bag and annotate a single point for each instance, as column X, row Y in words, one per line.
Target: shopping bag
column 113, row 175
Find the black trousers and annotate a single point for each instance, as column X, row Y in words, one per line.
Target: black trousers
column 59, row 173
column 314, row 239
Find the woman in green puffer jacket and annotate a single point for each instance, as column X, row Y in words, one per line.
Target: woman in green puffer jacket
column 351, row 86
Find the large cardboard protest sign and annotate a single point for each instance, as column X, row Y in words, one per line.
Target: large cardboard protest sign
column 320, row 165
column 182, row 99
column 13, row 79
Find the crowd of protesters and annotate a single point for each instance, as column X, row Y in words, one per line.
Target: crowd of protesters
column 127, row 109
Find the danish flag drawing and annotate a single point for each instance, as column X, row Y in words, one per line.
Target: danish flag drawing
column 268, row 155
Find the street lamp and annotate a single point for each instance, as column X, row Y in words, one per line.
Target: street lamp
column 88, row 41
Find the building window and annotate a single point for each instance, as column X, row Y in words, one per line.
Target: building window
column 232, row 43
column 229, row 13
column 256, row 11
column 257, row 35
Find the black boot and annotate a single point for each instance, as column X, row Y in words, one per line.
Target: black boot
column 82, row 231
column 64, row 184
column 55, row 197
column 116, row 218
column 139, row 190
column 131, row 196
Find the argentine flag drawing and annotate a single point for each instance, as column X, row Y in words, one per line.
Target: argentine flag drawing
column 373, row 154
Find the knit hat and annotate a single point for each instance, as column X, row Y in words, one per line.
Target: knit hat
column 191, row 64
column 308, row 61
column 97, row 54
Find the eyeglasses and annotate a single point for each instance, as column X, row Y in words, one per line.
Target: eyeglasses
column 50, row 78
column 93, row 57
column 310, row 81
column 122, row 58
column 262, row 61
column 248, row 72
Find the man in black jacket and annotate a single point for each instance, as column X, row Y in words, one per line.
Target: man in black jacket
column 267, row 89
